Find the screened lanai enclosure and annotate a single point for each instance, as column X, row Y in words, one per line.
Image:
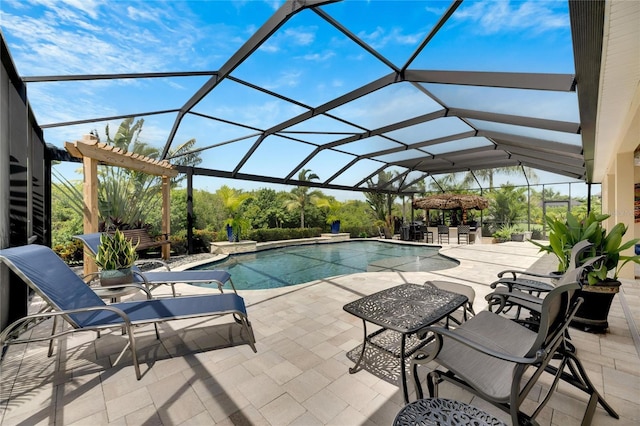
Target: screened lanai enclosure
column 347, row 89
column 433, row 95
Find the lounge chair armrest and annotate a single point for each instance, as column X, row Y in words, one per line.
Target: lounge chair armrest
column 440, row 332
column 514, row 274
column 514, row 297
column 139, row 287
column 152, row 261
column 531, row 285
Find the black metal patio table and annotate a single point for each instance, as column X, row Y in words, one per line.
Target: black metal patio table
column 402, row 311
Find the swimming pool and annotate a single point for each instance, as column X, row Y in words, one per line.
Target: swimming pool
column 288, row 266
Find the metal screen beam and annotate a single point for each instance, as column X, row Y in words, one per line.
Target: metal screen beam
column 92, row 77
column 277, row 20
column 532, row 143
column 538, row 123
column 509, row 80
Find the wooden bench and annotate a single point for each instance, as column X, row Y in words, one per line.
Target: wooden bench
column 143, row 239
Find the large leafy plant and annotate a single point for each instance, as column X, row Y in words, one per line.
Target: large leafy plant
column 115, row 252
column 567, row 233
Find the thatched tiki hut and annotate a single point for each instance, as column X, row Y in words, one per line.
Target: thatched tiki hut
column 462, row 202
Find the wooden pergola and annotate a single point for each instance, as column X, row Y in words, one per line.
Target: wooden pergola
column 93, row 153
column 448, row 201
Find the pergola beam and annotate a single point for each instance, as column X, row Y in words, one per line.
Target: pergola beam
column 92, row 153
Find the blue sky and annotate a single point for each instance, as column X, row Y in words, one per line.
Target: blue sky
column 306, row 60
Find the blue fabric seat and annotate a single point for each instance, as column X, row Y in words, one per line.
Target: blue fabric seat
column 153, row 279
column 69, row 298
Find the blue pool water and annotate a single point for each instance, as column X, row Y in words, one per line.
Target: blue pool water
column 300, row 264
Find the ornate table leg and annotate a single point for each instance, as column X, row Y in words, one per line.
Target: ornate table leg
column 355, row 368
column 403, row 371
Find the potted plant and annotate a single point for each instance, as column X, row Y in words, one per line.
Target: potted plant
column 503, row 234
column 602, row 281
column 333, row 207
column 115, row 257
column 517, row 234
column 232, row 200
column 234, row 226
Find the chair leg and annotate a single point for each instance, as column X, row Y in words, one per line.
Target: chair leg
column 578, row 371
column 433, row 379
column 53, row 331
column 134, row 354
column 578, row 378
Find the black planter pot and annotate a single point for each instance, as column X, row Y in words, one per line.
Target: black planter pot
column 592, row 314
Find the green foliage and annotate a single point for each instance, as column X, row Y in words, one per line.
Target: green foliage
column 201, row 242
column 232, row 201
column 380, row 203
column 567, row 233
column 357, row 214
column 300, row 197
column 278, row 234
column 115, row 252
column 264, row 209
column 505, row 231
column 361, row 231
column 72, row 251
column 509, row 204
column 333, row 207
column 66, row 217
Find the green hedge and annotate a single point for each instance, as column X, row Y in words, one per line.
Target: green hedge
column 278, row 234
column 361, row 231
column 71, row 251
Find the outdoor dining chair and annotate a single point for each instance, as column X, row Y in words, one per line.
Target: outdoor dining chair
column 153, row 279
column 443, row 231
column 501, row 361
column 463, row 231
column 69, row 298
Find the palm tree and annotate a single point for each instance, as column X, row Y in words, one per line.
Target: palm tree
column 300, row 197
column 486, row 175
column 379, row 201
column 232, row 200
column 126, row 195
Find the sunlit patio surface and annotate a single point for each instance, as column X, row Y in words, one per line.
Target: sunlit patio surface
column 200, row 372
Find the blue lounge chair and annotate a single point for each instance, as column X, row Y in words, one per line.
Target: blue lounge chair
column 68, row 297
column 155, row 279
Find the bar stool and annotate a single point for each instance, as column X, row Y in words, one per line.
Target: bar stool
column 463, row 230
column 443, row 230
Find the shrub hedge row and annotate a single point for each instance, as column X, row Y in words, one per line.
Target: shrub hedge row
column 71, row 251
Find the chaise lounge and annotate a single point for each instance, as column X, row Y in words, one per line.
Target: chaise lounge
column 69, row 298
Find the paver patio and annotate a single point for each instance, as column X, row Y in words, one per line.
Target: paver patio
column 194, row 374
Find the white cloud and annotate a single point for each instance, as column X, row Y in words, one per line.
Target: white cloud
column 288, row 78
column 319, row 57
column 301, row 36
column 505, row 16
column 438, row 11
column 380, row 37
column 291, row 37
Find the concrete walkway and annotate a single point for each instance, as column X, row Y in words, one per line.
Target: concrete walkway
column 300, row 374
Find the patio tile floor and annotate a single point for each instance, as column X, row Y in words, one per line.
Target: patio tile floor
column 299, row 376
